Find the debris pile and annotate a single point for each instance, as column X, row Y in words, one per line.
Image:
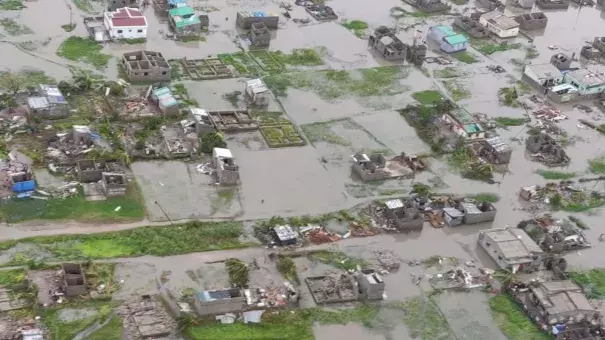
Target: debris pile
column 555, row 236
column 545, row 149
column 12, row 173
column 145, row 318
column 332, row 288
column 460, row 278
column 66, row 148
column 388, row 260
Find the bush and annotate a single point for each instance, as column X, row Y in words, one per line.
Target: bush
column 211, row 140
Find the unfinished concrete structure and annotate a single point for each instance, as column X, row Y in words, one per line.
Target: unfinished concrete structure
column 260, row 36
column 233, row 121
column 90, row 170
column 479, row 212
column 207, row 68
column 471, row 27
column 202, row 122
column 492, row 149
column 74, row 282
column 512, row 249
column 245, row 19
column 552, row 4
column 332, row 288
column 114, row 184
column 490, row 5
column 404, row 216
column 532, row 21
column 376, row 167
column 321, row 12
column 429, row 6
column 385, row 42
column 416, row 53
column 226, row 169
column 214, row 302
column 95, row 26
column 371, row 284
column 545, row 148
column 561, row 61
column 555, row 302
column 146, row 66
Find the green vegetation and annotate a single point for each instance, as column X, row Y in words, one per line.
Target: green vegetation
column 111, row 331
column 299, row 56
column 76, row 208
column 133, row 41
column 339, row 260
column 597, row 165
column 193, row 38
column 465, row 57
column 531, row 53
column 211, row 140
column 11, row 5
column 447, row 72
column 68, row 27
column 332, row 84
column 159, row 241
column 593, row 282
column 577, row 201
column 427, row 97
column 487, row 48
column 424, row 320
column 510, row 121
column 512, row 321
column 357, row 26
column 457, row 90
column 13, row 28
column 67, row 330
column 287, row 268
column 84, row 5
column 12, row 277
column 83, row 50
column 556, row 175
column 281, row 133
column 238, row 272
column 421, row 118
column 469, row 166
column 508, row 96
column 321, row 132
column 486, row 197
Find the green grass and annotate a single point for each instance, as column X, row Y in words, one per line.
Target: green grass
column 597, row 165
column 424, row 320
column 427, row 97
column 12, row 277
column 512, row 321
column 11, row 5
column 299, row 56
column 465, row 57
column 447, row 72
column 556, row 175
column 68, row 27
column 321, row 132
column 486, row 197
column 111, row 331
column 339, row 260
column 76, row 208
column 357, row 26
column 84, row 50
column 456, row 90
column 509, row 121
column 64, row 330
column 160, row 241
column 193, row 38
column 287, row 268
column 531, row 53
column 11, row 27
column 593, row 282
column 488, row 49
column 133, row 41
column 84, row 5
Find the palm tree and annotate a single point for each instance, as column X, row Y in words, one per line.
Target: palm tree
column 84, row 80
column 508, row 94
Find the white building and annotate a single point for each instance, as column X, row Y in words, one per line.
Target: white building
column 258, row 92
column 499, row 24
column 126, row 23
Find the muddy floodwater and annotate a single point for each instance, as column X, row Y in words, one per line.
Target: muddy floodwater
column 317, row 178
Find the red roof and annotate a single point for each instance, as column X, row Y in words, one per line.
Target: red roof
column 124, row 22
column 124, row 17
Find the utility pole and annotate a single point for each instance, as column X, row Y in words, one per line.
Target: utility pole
column 70, row 16
column 163, row 211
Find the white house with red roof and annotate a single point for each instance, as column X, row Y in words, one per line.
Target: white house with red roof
column 126, row 23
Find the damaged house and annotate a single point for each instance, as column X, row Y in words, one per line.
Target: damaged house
column 15, row 177
column 478, row 212
column 321, row 12
column 561, row 61
column 257, row 92
column 543, row 76
column 332, row 288
column 490, row 5
column 213, row 302
column 245, row 19
column 403, row 216
column 580, row 84
column 545, row 149
column 184, row 22
column 114, row 184
column 553, row 4
column 376, row 167
column 371, row 284
column 115, row 4
column 532, row 21
column 430, row 6
column 512, row 249
column 226, row 169
column 493, row 150
column 555, row 236
column 385, row 42
column 146, row 66
column 74, row 282
column 471, row 27
column 463, row 124
column 555, row 302
column 448, row 40
column 499, row 24
column 49, row 102
column 260, row 36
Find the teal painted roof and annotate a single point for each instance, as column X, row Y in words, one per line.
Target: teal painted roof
column 181, row 11
column 184, row 16
column 455, row 39
column 445, row 29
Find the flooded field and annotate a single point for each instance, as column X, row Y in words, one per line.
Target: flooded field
column 347, row 105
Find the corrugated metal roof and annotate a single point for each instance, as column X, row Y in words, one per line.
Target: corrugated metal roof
column 455, row 39
column 394, row 204
column 38, row 103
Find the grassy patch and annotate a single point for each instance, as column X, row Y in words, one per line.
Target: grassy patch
column 299, row 56
column 357, row 26
column 531, row 53
column 512, row 321
column 11, row 27
column 160, row 241
column 321, row 132
column 223, row 199
column 487, row 48
column 556, row 175
column 193, row 38
column 84, row 5
column 486, row 197
column 427, row 97
column 111, row 331
column 84, row 50
column 238, row 272
column 76, row 208
column 332, row 84
column 465, row 57
column 67, row 330
column 424, row 320
column 509, row 121
column 447, row 72
column 133, row 41
column 577, row 201
column 339, row 260
column 11, row 5
column 287, row 268
column 597, row 165
column 68, row 27
column 508, row 96
column 593, row 282
column 12, row 277
column 456, row 90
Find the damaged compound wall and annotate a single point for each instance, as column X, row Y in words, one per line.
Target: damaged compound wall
column 74, row 281
column 113, row 184
column 332, row 288
column 219, row 302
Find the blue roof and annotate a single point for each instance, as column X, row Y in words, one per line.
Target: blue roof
column 455, row 39
column 176, row 2
column 445, row 29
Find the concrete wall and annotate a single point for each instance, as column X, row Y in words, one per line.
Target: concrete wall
column 74, row 281
column 371, row 291
column 203, row 308
column 246, row 22
column 113, row 188
column 532, row 21
column 486, row 216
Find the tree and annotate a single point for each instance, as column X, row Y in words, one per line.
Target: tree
column 211, row 140
column 12, row 82
column 508, row 94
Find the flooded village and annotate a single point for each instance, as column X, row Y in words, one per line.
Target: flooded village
column 252, row 169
